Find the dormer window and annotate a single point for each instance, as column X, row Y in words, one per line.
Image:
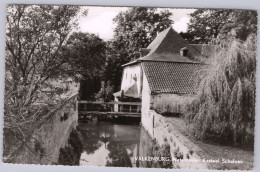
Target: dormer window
column 184, row 51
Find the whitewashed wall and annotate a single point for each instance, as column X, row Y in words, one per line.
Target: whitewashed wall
column 128, row 74
column 146, row 119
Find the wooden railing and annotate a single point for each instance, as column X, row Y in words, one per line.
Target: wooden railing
column 89, row 106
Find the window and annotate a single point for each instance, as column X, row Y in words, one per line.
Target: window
column 184, row 51
column 135, row 78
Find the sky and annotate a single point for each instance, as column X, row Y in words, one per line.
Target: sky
column 99, row 20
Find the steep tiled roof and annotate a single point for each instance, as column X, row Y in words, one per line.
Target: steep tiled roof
column 128, row 92
column 172, row 42
column 157, row 41
column 165, row 77
column 166, row 47
column 132, row 91
column 204, row 49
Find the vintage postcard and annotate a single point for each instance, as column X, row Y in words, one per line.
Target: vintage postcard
column 130, row 87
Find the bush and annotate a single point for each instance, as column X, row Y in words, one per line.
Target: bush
column 172, row 106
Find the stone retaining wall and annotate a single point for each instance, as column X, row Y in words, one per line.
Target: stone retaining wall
column 44, row 146
column 180, row 146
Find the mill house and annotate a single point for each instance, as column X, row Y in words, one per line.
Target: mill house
column 165, row 69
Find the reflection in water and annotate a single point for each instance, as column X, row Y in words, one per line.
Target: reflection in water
column 109, row 144
column 98, row 158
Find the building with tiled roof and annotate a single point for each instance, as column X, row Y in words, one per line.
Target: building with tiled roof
column 166, row 68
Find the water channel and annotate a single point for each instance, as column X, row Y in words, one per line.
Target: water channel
column 107, row 143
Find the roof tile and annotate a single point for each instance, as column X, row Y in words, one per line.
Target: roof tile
column 165, row 77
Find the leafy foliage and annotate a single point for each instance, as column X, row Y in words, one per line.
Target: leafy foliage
column 106, row 92
column 35, row 35
column 187, row 36
column 206, row 24
column 137, row 27
column 166, row 106
column 225, row 107
column 85, row 56
column 242, row 23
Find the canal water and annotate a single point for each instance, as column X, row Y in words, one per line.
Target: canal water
column 119, row 145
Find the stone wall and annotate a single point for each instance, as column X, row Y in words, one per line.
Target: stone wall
column 46, row 141
column 180, row 145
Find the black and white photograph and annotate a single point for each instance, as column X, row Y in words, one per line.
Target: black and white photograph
column 138, row 87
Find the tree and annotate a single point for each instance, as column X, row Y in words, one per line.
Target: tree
column 113, row 70
column 242, row 23
column 35, row 35
column 224, row 109
column 207, row 24
column 85, row 54
column 187, row 36
column 135, row 29
column 106, row 92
